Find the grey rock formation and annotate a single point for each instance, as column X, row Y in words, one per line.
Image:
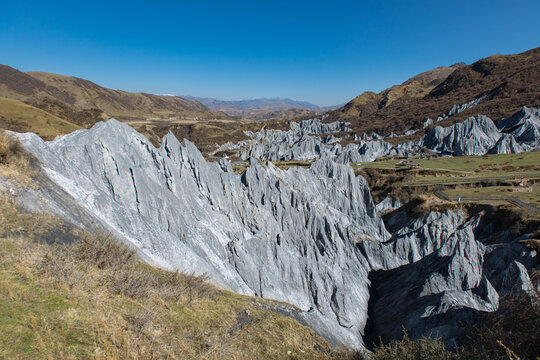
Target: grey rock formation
column 506, row 144
column 316, row 127
column 285, row 145
column 364, row 151
column 309, row 237
column 478, row 136
column 287, row 235
column 441, row 275
column 427, row 123
column 388, row 203
column 474, row 136
column 409, row 132
column 330, row 139
column 524, row 127
column 456, row 109
column 435, row 294
column 525, row 115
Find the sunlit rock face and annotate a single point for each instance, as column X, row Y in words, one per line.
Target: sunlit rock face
column 286, row 235
column 309, row 237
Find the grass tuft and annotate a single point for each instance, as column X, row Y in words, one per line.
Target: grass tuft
column 407, row 349
column 10, row 148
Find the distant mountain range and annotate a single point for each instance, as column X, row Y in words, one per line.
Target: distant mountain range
column 496, row 86
column 263, row 108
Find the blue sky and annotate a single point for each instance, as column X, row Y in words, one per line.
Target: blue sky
column 325, row 52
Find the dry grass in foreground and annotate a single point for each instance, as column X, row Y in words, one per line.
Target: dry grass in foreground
column 95, row 299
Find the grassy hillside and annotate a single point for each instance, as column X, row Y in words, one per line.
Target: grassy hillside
column 85, row 94
column 82, row 94
column 512, row 80
column 85, row 118
column 17, row 85
column 20, row 117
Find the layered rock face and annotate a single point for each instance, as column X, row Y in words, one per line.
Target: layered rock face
column 523, row 127
column 309, row 237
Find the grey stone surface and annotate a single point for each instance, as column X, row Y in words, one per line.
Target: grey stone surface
column 475, row 136
column 433, row 295
column 388, row 203
column 507, row 144
column 286, row 235
column 441, row 277
column 316, row 127
column 427, row 123
column 309, row 237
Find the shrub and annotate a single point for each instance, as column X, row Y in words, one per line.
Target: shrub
column 407, row 349
column 511, row 332
column 10, row 148
column 418, row 208
column 116, row 267
column 140, row 320
column 103, row 251
column 131, row 283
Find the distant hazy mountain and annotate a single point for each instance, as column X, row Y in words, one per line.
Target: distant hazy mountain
column 264, row 108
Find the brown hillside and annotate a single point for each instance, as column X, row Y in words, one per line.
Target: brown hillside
column 370, row 103
column 85, row 94
column 513, row 79
column 68, row 96
column 17, row 85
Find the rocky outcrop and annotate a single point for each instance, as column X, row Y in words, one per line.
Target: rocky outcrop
column 388, row 203
column 507, row 144
column 435, row 293
column 474, row 136
column 427, row 123
column 317, row 127
column 309, row 237
column 442, row 275
column 287, row 235
column 277, row 145
column 478, row 136
column 522, row 117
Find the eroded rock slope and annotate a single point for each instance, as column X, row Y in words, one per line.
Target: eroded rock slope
column 309, row 237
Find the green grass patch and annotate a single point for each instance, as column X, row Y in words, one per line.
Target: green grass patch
column 20, row 117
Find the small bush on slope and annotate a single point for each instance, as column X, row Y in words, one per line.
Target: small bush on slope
column 407, row 349
column 10, row 148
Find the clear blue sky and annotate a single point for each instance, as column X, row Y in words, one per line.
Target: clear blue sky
column 325, row 52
